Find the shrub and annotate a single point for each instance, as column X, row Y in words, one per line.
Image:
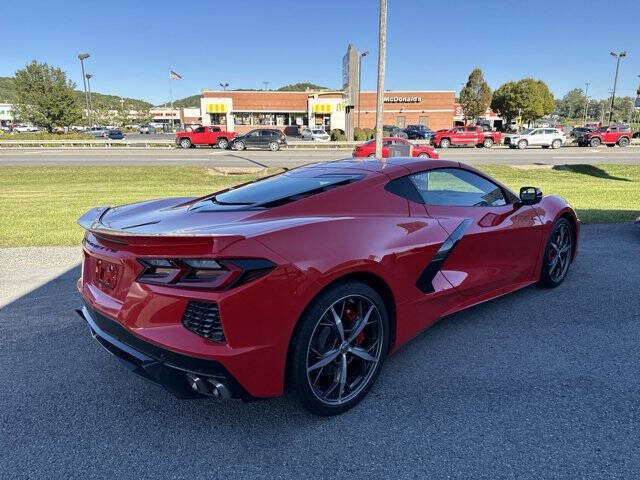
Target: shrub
column 337, row 135
column 47, row 136
column 363, row 134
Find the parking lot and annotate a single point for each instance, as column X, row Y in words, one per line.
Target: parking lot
column 537, row 384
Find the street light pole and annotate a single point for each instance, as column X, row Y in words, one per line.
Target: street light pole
column 586, row 100
column 88, row 75
column 82, row 57
column 224, row 86
column 382, row 49
column 363, row 54
column 615, row 81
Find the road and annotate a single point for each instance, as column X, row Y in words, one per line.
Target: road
column 537, row 384
column 293, row 158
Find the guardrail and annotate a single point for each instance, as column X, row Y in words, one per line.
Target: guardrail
column 141, row 143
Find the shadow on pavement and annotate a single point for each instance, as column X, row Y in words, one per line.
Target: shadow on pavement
column 537, row 384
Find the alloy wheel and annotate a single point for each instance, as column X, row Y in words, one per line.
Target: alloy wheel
column 345, row 347
column 559, row 254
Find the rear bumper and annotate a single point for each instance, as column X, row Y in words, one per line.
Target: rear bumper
column 160, row 366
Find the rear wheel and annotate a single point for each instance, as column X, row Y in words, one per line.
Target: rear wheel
column 556, row 144
column 185, row 143
column 595, row 142
column 487, row 143
column 523, row 144
column 339, row 348
column 223, row 143
column 372, row 155
column 445, row 143
column 274, row 147
column 623, row 142
column 558, row 254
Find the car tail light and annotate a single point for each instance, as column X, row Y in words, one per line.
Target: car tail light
column 202, row 272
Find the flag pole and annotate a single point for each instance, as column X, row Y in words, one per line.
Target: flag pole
column 170, row 98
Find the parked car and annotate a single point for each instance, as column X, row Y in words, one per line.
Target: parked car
column 418, row 132
column 309, row 279
column 204, row 136
column 259, row 138
column 579, row 131
column 114, row 134
column 368, row 149
column 25, row 129
column 98, row 132
column 465, row 136
column 393, row 131
column 147, row 129
column 315, row 134
column 536, row 137
column 609, row 136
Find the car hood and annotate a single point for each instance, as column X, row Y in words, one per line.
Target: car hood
column 182, row 217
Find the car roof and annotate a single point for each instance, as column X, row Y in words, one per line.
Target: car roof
column 392, row 166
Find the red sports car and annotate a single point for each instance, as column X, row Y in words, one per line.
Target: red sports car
column 310, row 278
column 368, row 149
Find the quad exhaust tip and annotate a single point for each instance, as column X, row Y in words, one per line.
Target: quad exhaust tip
column 209, row 386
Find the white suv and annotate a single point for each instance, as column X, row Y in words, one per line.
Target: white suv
column 542, row 137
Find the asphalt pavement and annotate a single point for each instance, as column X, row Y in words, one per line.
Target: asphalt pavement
column 537, row 384
column 211, row 157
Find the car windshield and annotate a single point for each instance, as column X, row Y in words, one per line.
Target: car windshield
column 283, row 186
column 602, row 129
column 319, row 132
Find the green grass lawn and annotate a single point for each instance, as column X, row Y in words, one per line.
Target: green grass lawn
column 40, row 205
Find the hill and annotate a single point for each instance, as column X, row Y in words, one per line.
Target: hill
column 301, row 87
column 99, row 100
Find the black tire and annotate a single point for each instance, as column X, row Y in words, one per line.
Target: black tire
column 623, row 142
column 487, row 143
column 557, row 143
column 316, row 329
column 560, row 238
column 522, row 144
column 223, row 143
column 445, row 143
column 595, row 142
column 274, row 147
column 239, row 145
column 185, row 143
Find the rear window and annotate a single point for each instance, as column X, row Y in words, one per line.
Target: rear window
column 281, row 189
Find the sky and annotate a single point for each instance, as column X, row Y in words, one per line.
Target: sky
column 431, row 45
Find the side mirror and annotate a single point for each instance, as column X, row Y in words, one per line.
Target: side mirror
column 530, row 195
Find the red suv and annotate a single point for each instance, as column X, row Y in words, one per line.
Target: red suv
column 369, row 149
column 610, row 136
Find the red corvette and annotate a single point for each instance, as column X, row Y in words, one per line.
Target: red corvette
column 368, row 149
column 309, row 279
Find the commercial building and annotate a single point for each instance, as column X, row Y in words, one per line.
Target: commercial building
column 176, row 116
column 6, row 116
column 241, row 111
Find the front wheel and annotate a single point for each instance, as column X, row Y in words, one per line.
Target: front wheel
column 239, row 146
column 488, row 143
column 223, row 143
column 445, row 143
column 339, row 347
column 423, row 155
column 558, row 254
column 522, row 144
column 185, row 143
column 595, row 142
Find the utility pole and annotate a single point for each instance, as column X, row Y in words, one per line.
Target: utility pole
column 586, row 100
column 82, row 57
column 363, row 54
column 88, row 75
column 615, row 81
column 382, row 49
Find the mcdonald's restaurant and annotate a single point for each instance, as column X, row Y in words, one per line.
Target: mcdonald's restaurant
column 241, row 111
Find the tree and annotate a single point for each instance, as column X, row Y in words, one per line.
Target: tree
column 301, row 87
column 505, row 101
column 475, row 97
column 43, row 96
column 528, row 98
column 572, row 104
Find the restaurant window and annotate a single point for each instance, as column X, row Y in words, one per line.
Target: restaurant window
column 400, row 122
column 423, row 120
column 242, row 119
column 218, row 118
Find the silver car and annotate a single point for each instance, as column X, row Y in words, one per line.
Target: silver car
column 536, row 137
column 315, row 134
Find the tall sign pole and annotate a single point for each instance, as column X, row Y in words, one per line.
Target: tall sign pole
column 382, row 48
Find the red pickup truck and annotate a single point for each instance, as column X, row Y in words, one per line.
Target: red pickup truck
column 465, row 136
column 610, row 136
column 204, row 136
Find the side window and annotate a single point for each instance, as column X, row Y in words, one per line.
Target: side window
column 199, row 130
column 457, row 188
column 255, row 133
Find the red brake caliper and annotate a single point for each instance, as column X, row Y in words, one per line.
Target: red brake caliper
column 351, row 316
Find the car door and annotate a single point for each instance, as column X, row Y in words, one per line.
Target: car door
column 253, row 138
column 610, row 135
column 495, row 241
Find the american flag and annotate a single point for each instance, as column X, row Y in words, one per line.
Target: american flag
column 174, row 76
